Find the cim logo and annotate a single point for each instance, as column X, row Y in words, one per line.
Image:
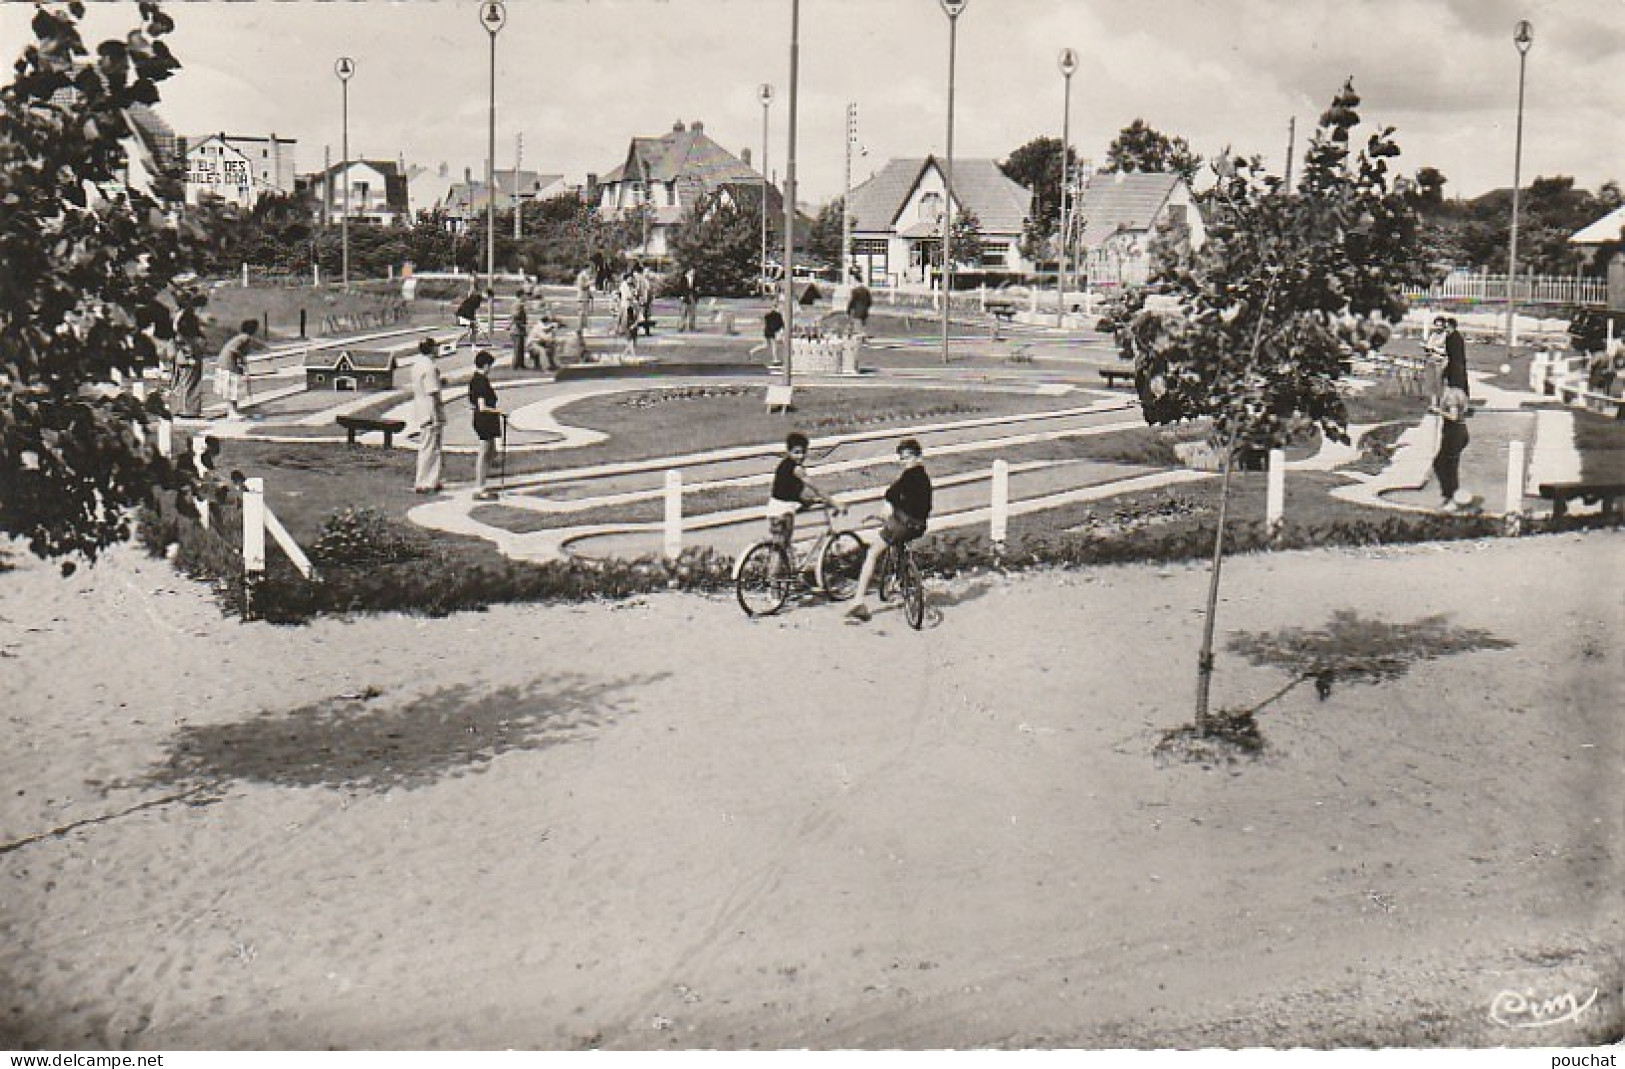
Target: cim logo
column 1512, row 1010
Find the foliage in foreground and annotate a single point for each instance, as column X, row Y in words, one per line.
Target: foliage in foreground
column 87, row 256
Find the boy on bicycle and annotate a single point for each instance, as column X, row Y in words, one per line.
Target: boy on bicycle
column 909, row 497
column 792, row 492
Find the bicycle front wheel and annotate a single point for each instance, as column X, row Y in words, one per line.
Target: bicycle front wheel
column 908, row 581
column 840, row 564
column 762, row 583
column 885, row 572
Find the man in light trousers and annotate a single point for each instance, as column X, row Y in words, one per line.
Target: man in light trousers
column 429, row 416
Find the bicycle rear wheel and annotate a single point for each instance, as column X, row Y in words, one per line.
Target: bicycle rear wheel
column 908, row 581
column 762, row 583
column 840, row 564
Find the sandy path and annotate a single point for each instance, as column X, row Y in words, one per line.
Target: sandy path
column 659, row 824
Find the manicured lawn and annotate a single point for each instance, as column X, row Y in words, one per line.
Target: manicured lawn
column 307, row 483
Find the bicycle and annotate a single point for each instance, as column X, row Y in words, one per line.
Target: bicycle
column 769, row 572
column 897, row 571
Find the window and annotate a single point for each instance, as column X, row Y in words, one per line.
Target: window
column 1176, row 214
column 995, row 254
column 930, row 207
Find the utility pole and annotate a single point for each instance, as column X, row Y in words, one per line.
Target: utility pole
column 790, row 199
column 518, row 160
column 846, row 196
column 1291, row 147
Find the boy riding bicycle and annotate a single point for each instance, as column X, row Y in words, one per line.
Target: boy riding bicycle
column 792, row 491
column 909, row 497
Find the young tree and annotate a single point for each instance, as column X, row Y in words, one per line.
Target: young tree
column 824, row 236
column 1138, row 147
column 722, row 241
column 86, row 258
column 1037, row 165
column 1262, row 321
column 967, row 240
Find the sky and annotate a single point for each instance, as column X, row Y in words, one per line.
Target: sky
column 579, row 78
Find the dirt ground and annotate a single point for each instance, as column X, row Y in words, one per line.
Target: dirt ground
column 658, row 824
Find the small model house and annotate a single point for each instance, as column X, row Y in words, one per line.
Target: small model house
column 362, row 370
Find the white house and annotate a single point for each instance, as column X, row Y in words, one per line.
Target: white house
column 897, row 218
column 1118, row 215
column 239, row 168
column 1604, row 242
column 376, row 191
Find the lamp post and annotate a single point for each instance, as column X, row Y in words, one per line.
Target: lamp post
column 1069, row 63
column 952, row 8
column 1523, row 35
column 764, row 93
column 345, row 68
column 790, row 198
column 493, row 16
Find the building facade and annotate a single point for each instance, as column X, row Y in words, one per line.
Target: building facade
column 897, row 219
column 1117, row 217
column 239, row 169
column 660, row 178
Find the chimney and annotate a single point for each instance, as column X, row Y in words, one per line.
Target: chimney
column 697, row 126
column 744, row 155
column 444, row 169
column 677, row 127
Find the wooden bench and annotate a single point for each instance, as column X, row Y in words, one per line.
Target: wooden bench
column 1114, row 375
column 1560, row 494
column 1002, row 313
column 354, row 425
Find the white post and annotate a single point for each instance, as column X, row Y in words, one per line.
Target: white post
column 245, row 276
column 1515, row 477
column 1275, row 506
column 253, row 525
column 315, row 274
column 674, row 513
column 1001, row 500
column 166, row 439
column 138, row 388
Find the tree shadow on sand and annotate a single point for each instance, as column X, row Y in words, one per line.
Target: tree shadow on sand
column 1349, row 649
column 354, row 741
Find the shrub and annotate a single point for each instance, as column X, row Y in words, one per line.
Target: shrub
column 366, row 536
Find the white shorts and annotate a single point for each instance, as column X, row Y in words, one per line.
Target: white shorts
column 775, row 508
column 230, row 385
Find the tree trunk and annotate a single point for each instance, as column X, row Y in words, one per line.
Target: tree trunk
column 1204, row 661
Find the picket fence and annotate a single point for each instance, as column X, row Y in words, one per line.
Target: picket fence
column 1530, row 289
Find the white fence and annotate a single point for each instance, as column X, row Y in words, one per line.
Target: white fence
column 1530, row 289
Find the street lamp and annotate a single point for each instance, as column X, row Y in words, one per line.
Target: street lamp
column 790, row 198
column 1523, row 35
column 953, row 9
column 345, row 68
column 764, row 93
column 1069, row 63
column 493, row 16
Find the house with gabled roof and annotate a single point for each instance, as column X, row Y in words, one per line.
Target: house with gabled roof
column 1117, row 216
column 1603, row 244
column 466, row 203
column 376, row 190
column 363, row 370
column 897, row 218
column 670, row 174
